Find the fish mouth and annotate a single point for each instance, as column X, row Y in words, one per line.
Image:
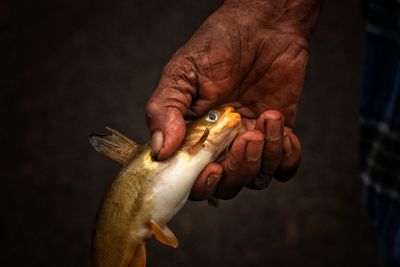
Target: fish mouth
column 233, row 117
column 228, row 131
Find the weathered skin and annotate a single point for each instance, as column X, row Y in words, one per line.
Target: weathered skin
column 147, row 190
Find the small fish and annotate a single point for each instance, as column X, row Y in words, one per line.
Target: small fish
column 147, row 193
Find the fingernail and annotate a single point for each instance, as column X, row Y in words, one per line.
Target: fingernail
column 287, row 145
column 157, row 140
column 253, row 151
column 232, row 165
column 211, row 181
column 274, row 129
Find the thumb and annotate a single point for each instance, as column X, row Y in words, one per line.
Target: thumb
column 167, row 107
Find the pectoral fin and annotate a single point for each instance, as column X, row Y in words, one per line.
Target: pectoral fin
column 164, row 234
column 139, row 257
column 199, row 144
column 116, row 146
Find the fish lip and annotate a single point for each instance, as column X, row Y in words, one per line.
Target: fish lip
column 233, row 116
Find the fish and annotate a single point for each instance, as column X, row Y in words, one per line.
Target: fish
column 147, row 193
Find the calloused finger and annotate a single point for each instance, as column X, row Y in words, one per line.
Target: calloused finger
column 241, row 164
column 207, row 182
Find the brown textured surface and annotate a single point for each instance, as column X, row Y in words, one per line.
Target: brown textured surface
column 72, row 67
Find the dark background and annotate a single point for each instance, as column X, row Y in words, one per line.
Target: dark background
column 69, row 68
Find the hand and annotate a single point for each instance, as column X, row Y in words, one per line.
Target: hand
column 265, row 150
column 244, row 61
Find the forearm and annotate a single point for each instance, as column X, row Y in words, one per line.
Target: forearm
column 290, row 16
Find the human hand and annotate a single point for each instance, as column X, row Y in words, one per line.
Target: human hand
column 253, row 62
column 264, row 150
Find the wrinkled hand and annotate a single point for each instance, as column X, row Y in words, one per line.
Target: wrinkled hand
column 238, row 60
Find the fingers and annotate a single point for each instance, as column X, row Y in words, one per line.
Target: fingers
column 291, row 156
column 255, row 157
column 207, row 182
column 281, row 153
column 270, row 123
column 167, row 106
column 241, row 164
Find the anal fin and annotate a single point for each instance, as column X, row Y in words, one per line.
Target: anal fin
column 116, row 146
column 164, row 234
column 139, row 257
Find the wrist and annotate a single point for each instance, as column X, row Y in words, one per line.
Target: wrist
column 291, row 16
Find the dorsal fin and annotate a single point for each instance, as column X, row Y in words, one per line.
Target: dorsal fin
column 116, row 146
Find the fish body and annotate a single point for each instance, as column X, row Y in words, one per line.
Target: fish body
column 147, row 193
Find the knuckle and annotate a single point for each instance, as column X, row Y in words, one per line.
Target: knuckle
column 151, row 108
column 180, row 67
column 272, row 115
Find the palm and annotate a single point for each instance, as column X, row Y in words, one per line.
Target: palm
column 253, row 76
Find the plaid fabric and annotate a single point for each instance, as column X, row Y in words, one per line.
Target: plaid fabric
column 380, row 115
column 380, row 124
column 385, row 216
column 380, row 158
column 382, row 15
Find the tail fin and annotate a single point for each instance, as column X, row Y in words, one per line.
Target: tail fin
column 139, row 257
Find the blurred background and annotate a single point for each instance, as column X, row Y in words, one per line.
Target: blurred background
column 69, row 68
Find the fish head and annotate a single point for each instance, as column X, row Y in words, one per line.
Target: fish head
column 215, row 131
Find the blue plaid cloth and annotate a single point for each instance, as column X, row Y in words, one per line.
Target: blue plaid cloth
column 380, row 124
column 385, row 216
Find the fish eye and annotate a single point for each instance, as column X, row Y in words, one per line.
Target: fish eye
column 212, row 116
